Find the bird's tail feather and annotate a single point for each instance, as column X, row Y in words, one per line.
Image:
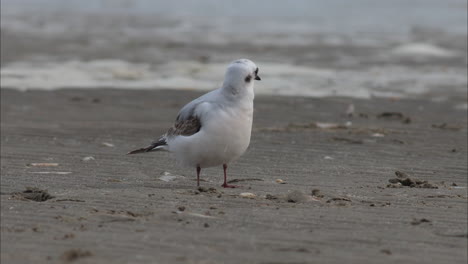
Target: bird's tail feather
column 153, row 147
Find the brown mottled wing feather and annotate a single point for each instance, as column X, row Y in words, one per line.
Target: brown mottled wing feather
column 186, row 127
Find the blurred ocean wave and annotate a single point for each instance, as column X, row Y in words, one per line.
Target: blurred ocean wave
column 359, row 48
column 333, row 16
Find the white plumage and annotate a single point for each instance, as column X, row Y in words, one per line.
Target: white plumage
column 215, row 128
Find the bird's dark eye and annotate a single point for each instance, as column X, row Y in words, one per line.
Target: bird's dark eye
column 256, row 71
column 248, row 78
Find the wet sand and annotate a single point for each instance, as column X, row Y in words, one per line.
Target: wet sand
column 336, row 204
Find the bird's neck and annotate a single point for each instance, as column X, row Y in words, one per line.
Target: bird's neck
column 245, row 93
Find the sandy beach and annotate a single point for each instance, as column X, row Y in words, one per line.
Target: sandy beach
column 69, row 192
column 358, row 150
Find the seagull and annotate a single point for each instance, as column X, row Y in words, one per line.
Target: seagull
column 215, row 128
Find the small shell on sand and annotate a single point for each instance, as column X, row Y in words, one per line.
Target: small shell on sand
column 88, row 158
column 167, row 177
column 247, row 195
column 280, row 181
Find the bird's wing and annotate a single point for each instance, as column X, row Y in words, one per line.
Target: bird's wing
column 187, row 123
column 189, row 109
column 185, row 127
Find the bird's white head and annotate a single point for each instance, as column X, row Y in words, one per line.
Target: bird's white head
column 240, row 77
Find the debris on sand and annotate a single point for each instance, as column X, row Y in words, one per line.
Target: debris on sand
column 247, row 195
column 70, row 200
column 292, row 127
column 207, row 190
column 391, row 115
column 313, row 125
column 441, row 196
column 332, row 125
column 394, row 116
column 167, row 177
column 107, row 144
column 270, row 197
column 420, row 221
column 113, row 180
column 316, row 193
column 65, row 237
column 338, row 199
column 445, row 126
column 403, row 179
column 293, row 249
column 133, row 214
column 394, row 185
column 295, row 197
column 200, row 215
column 75, row 254
column 348, row 140
column 242, row 180
column 386, row 251
column 280, row 181
column 51, row 172
column 33, row 194
column 42, row 164
column 88, row 158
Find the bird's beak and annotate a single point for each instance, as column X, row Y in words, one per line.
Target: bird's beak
column 258, row 78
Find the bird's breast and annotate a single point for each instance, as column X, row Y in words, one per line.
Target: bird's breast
column 229, row 131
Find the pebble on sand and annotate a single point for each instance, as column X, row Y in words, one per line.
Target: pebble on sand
column 295, row 197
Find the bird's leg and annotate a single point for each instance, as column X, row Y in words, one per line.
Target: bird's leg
column 225, row 185
column 198, row 175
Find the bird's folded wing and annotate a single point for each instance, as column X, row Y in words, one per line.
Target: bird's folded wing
column 187, row 123
column 186, row 127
